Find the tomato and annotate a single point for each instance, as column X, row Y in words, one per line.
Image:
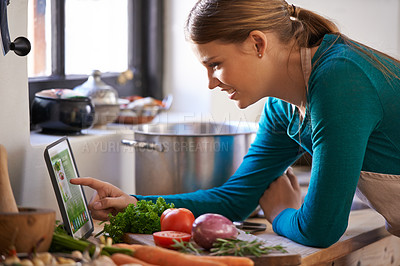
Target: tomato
column 180, row 220
column 165, row 213
column 165, row 238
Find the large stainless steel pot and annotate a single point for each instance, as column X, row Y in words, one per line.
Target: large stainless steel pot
column 184, row 157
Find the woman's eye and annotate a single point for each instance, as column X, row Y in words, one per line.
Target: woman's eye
column 213, row 65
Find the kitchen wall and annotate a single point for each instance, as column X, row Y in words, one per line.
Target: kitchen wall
column 375, row 23
column 187, row 80
column 14, row 134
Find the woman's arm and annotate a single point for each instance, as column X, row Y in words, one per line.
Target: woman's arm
column 283, row 193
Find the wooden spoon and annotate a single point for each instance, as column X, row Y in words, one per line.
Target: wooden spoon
column 7, row 200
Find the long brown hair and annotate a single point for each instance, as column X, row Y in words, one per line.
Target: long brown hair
column 231, row 21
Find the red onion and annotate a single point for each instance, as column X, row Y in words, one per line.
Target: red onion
column 210, row 226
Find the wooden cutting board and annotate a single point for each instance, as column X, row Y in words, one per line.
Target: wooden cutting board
column 276, row 258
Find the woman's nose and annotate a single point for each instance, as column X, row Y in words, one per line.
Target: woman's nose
column 213, row 82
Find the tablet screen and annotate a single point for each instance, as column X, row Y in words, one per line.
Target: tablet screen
column 71, row 198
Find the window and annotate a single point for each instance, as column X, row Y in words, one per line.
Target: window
column 70, row 38
column 97, row 39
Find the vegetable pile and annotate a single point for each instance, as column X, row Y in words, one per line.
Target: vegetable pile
column 144, row 218
column 66, row 250
column 172, row 228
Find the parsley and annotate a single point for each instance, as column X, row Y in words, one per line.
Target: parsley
column 144, row 218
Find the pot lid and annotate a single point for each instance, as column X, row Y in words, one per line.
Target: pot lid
column 97, row 90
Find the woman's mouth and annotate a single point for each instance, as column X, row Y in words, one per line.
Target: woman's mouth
column 231, row 92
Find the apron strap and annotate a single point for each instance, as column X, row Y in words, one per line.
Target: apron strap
column 305, row 56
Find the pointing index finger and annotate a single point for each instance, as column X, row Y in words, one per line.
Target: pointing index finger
column 88, row 181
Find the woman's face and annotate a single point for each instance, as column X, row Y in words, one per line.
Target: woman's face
column 236, row 69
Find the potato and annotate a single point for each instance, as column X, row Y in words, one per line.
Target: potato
column 76, row 254
column 46, row 258
column 26, row 262
column 11, row 260
column 65, row 261
column 37, row 262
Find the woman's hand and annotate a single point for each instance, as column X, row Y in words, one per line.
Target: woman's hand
column 106, row 199
column 281, row 194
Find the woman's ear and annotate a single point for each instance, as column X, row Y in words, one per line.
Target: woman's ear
column 258, row 41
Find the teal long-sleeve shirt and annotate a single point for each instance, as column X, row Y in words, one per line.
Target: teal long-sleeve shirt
column 352, row 124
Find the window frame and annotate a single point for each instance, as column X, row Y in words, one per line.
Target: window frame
column 145, row 52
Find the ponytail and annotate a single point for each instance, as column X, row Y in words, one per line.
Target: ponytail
column 309, row 27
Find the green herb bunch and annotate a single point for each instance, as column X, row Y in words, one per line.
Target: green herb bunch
column 237, row 247
column 144, row 218
column 230, row 247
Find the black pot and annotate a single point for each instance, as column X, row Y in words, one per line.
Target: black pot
column 62, row 116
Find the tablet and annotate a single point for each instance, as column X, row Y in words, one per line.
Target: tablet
column 71, row 198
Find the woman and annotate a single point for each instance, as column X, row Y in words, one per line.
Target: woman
column 328, row 95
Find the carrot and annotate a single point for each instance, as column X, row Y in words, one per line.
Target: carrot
column 132, row 247
column 166, row 257
column 155, row 255
column 120, row 259
column 230, row 260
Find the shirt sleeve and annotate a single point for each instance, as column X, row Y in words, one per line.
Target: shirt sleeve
column 344, row 110
column 268, row 157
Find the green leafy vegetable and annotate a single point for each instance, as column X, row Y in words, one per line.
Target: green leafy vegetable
column 144, row 218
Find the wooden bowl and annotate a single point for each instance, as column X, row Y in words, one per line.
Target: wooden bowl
column 29, row 228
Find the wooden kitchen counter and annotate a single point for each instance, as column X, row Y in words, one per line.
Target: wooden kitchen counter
column 365, row 242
